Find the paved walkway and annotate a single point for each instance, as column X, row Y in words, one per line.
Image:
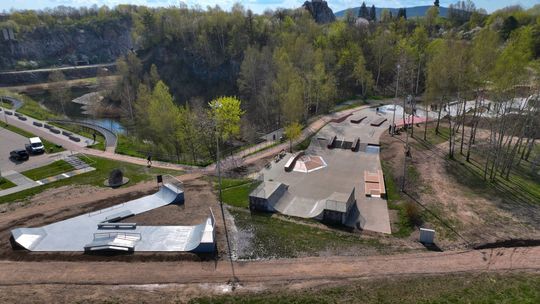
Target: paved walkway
column 18, row 179
column 24, row 183
column 111, row 140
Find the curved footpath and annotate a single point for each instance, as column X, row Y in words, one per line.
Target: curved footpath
column 111, row 140
column 327, row 268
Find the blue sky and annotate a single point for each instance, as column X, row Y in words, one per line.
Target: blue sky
column 256, row 5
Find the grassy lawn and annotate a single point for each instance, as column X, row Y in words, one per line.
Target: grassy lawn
column 522, row 182
column 5, row 105
column 132, row 146
column 470, row 288
column 6, row 184
column 58, row 167
column 49, row 146
column 274, row 237
column 103, row 166
column 396, row 202
column 235, row 191
column 431, row 137
column 33, row 109
column 238, row 196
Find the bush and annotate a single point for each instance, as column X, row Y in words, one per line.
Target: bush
column 413, row 213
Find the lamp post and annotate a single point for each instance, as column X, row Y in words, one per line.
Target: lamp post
column 392, row 127
column 407, row 153
column 218, row 167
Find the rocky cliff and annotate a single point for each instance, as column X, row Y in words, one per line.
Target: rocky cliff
column 320, row 11
column 66, row 45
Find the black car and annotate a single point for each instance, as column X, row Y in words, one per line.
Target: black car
column 19, row 155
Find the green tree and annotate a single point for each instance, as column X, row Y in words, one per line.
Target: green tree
column 363, row 77
column 227, row 114
column 292, row 132
column 163, row 119
column 58, row 89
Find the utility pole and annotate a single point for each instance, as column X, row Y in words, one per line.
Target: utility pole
column 407, row 153
column 392, row 127
column 218, row 164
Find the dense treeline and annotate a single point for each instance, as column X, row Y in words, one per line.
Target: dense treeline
column 286, row 68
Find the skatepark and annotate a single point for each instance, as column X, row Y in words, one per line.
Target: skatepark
column 332, row 169
column 105, row 230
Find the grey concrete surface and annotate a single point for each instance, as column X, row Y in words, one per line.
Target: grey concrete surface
column 18, row 179
column 345, row 170
column 58, row 139
column 10, row 141
column 76, row 233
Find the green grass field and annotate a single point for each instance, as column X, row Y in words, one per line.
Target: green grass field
column 276, row 237
column 484, row 288
column 49, row 146
column 6, row 184
column 236, row 192
column 103, row 166
column 55, row 168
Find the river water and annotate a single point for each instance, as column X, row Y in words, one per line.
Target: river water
column 74, row 110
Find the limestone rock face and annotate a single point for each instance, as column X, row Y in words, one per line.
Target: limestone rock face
column 67, row 45
column 320, row 11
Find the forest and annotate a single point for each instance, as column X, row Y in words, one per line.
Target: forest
column 286, row 68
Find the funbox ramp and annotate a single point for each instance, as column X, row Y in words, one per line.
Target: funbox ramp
column 87, row 232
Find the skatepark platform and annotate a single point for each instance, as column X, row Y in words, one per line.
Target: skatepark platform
column 336, row 189
column 97, row 230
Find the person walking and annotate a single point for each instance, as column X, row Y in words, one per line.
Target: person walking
column 149, row 160
column 94, row 137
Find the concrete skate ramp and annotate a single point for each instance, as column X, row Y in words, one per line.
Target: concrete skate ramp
column 82, row 233
column 303, row 207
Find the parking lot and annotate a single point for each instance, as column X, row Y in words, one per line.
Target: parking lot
column 10, row 141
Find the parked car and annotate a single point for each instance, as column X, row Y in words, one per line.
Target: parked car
column 20, row 155
column 35, row 146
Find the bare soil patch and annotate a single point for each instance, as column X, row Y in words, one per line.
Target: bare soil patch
column 464, row 212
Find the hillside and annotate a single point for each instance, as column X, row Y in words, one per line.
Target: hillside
column 415, row 11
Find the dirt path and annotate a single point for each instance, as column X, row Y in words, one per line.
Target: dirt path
column 332, row 268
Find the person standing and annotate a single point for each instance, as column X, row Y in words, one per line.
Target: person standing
column 149, row 160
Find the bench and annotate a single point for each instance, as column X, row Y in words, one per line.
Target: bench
column 74, row 138
column 37, row 124
column 66, row 133
column 55, row 131
column 22, row 118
